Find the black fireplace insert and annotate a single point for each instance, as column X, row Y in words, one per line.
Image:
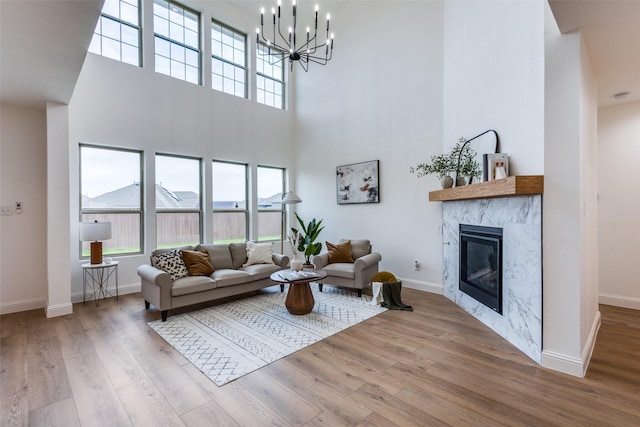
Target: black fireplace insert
column 481, row 264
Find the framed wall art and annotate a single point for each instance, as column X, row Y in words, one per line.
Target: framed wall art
column 358, row 183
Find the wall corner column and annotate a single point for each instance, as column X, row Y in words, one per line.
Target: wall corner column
column 58, row 212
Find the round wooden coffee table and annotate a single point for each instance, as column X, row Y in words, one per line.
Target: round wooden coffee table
column 299, row 297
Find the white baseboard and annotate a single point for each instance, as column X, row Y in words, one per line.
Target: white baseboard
column 576, row 366
column 58, row 310
column 122, row 290
column 24, row 305
column 619, row 301
column 434, row 288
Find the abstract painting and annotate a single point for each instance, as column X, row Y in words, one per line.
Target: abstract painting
column 358, row 183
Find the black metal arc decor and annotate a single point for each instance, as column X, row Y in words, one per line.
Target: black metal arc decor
column 468, row 141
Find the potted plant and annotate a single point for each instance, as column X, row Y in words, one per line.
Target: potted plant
column 441, row 165
column 464, row 158
column 307, row 238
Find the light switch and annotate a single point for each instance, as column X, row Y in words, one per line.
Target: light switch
column 18, row 207
column 6, row 210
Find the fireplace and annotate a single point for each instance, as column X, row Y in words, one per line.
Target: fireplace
column 481, row 264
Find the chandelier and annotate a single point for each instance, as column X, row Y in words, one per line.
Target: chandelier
column 290, row 46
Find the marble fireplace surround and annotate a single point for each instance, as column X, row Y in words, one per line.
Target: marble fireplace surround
column 520, row 217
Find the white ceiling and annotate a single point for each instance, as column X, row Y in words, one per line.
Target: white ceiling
column 611, row 30
column 43, row 45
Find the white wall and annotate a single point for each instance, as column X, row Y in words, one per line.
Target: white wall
column 570, row 313
column 119, row 105
column 619, row 205
column 23, row 237
column 379, row 98
column 494, row 77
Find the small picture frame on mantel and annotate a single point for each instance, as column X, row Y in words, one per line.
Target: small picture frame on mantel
column 358, row 183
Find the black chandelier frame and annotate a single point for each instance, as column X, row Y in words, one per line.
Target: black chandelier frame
column 309, row 51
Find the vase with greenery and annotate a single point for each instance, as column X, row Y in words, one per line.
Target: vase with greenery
column 307, row 236
column 464, row 158
column 441, row 165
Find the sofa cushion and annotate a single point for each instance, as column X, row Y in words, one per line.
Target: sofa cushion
column 191, row 284
column 197, row 263
column 219, row 255
column 341, row 269
column 230, row 277
column 259, row 253
column 360, row 248
column 171, row 262
column 339, row 252
column 238, row 254
column 260, row 271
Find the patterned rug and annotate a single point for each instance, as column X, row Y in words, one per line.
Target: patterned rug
column 230, row 340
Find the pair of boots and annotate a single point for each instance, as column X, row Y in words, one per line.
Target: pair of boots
column 392, row 299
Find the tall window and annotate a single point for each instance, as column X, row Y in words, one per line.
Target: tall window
column 178, row 212
column 177, row 41
column 117, row 34
column 228, row 60
column 270, row 191
column 230, row 211
column 110, row 188
column 269, row 79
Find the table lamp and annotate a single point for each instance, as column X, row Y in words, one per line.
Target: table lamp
column 94, row 232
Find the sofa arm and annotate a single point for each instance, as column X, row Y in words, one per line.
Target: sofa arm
column 280, row 260
column 154, row 275
column 320, row 261
column 367, row 260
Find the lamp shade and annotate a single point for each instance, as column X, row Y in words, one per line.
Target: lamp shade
column 94, row 231
column 291, row 198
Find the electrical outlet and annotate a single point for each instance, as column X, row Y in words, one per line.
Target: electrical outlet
column 417, row 265
column 18, row 207
column 6, row 210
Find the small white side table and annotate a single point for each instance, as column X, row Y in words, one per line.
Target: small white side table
column 97, row 276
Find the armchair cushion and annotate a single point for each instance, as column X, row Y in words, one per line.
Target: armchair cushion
column 340, row 252
column 360, row 248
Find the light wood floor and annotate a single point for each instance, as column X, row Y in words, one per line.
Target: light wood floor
column 435, row 366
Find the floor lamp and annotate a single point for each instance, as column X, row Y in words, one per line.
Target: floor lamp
column 290, row 198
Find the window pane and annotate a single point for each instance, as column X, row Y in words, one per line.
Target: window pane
column 178, row 229
column 125, row 233
column 110, row 179
column 177, row 188
column 180, row 29
column 229, row 227
column 229, row 185
column 270, row 187
column 269, row 225
column 223, row 40
column 115, row 33
column 270, row 78
column 177, row 183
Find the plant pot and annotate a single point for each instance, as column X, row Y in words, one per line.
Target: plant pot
column 446, row 182
column 460, row 181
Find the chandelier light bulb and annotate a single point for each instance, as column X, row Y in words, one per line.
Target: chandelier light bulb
column 279, row 2
column 328, row 16
column 290, row 30
column 262, row 10
column 316, row 8
column 293, row 2
column 273, row 10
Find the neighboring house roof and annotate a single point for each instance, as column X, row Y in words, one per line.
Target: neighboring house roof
column 129, row 198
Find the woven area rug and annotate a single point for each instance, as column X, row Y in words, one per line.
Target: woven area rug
column 230, row 340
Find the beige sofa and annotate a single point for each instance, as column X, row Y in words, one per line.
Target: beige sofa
column 228, row 278
column 356, row 274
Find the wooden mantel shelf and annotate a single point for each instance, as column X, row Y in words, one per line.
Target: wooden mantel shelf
column 507, row 187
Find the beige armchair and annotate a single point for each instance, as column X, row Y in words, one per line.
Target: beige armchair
column 356, row 274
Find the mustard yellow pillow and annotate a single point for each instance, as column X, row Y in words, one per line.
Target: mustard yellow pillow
column 197, row 263
column 339, row 252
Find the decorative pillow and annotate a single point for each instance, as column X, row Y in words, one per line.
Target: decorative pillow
column 197, row 263
column 171, row 262
column 259, row 253
column 340, row 252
